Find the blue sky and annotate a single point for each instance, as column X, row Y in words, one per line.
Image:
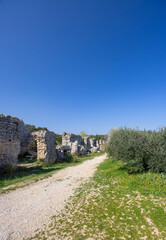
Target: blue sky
column 85, row 65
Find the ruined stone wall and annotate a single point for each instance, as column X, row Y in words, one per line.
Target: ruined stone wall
column 26, row 139
column 86, row 143
column 45, row 141
column 97, row 145
column 68, row 138
column 75, row 142
column 103, row 144
column 15, row 139
column 102, row 141
column 9, row 141
column 93, row 142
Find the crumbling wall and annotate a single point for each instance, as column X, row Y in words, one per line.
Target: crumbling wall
column 81, row 145
column 75, row 142
column 45, row 141
column 86, row 143
column 9, row 141
column 31, row 147
column 69, row 138
column 92, row 142
column 24, row 136
column 15, row 139
column 102, row 141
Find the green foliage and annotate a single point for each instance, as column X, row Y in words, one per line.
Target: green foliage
column 69, row 158
column 58, row 139
column 8, row 170
column 83, row 134
column 98, row 137
column 157, row 161
column 140, row 150
column 32, row 128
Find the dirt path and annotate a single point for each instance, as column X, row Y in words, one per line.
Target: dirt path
column 26, row 209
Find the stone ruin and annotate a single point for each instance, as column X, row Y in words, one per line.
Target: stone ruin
column 75, row 142
column 86, row 144
column 45, row 141
column 82, row 145
column 9, row 142
column 16, row 140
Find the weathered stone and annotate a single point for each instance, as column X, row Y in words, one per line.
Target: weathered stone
column 103, row 147
column 94, row 149
column 62, row 151
column 74, row 147
column 9, row 141
column 32, row 147
column 74, row 142
column 93, row 142
column 102, row 141
column 86, row 143
column 45, row 141
column 68, row 138
column 97, row 143
column 82, row 150
column 25, row 137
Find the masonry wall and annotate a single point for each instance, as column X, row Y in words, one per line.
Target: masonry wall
column 45, row 141
column 9, row 142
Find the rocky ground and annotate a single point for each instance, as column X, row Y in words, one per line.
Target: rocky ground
column 27, row 209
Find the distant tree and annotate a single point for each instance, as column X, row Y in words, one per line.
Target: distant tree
column 98, row 137
column 83, row 134
column 41, row 128
column 58, row 139
column 32, row 128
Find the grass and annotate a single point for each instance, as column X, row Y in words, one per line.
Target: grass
column 24, row 175
column 113, row 205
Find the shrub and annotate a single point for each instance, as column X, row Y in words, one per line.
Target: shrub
column 69, row 158
column 157, row 160
column 140, row 150
column 58, row 139
column 98, row 137
column 83, row 134
column 32, row 128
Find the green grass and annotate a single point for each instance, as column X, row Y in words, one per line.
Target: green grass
column 113, row 205
column 39, row 170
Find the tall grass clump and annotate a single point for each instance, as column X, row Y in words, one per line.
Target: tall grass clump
column 140, row 150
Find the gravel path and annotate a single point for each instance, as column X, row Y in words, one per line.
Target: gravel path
column 27, row 209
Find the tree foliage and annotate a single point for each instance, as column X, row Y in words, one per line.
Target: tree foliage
column 58, row 139
column 83, row 134
column 140, row 150
column 33, row 128
column 98, row 137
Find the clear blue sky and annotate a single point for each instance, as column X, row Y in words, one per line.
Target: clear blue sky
column 89, row 65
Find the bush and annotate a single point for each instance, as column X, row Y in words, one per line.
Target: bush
column 157, row 160
column 98, row 137
column 69, row 158
column 140, row 150
column 32, row 128
column 58, row 139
